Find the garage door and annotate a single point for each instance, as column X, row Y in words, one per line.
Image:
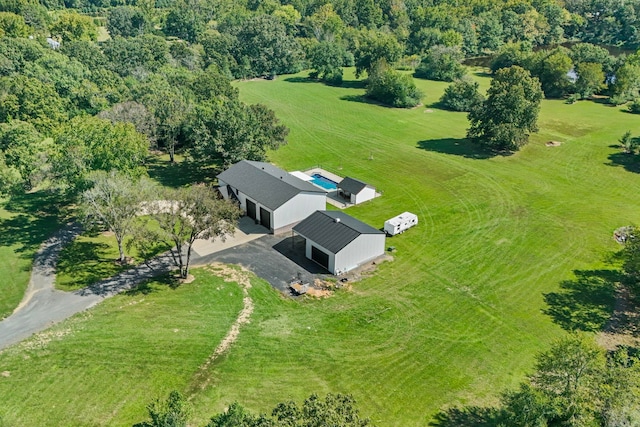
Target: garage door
column 251, row 209
column 265, row 218
column 320, row 257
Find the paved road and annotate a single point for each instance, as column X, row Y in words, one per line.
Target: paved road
column 43, row 305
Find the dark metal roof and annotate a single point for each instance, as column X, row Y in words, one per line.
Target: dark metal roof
column 265, row 183
column 352, row 185
column 333, row 230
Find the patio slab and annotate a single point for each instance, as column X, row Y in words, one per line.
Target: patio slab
column 246, row 231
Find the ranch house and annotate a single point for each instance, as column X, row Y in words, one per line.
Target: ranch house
column 339, row 242
column 270, row 195
column 355, row 191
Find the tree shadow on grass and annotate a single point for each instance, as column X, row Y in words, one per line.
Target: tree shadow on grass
column 168, row 280
column 602, row 100
column 299, row 79
column 586, row 303
column 364, row 100
column 354, row 84
column 179, row 174
column 33, row 218
column 86, row 263
column 347, row 84
column 458, row 147
column 472, row 416
column 629, row 162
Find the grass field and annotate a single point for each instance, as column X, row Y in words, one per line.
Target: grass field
column 454, row 319
column 103, row 366
column 457, row 316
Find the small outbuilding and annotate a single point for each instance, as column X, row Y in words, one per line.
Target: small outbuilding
column 355, row 191
column 270, row 195
column 339, row 242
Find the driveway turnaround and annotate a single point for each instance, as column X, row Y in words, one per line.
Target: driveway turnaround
column 277, row 259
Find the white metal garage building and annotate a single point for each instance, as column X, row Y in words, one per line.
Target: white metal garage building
column 270, row 195
column 339, row 242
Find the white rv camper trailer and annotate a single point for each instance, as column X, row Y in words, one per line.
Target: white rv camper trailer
column 400, row 223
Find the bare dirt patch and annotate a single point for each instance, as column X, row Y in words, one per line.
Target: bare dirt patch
column 189, row 279
column 623, row 329
column 553, row 144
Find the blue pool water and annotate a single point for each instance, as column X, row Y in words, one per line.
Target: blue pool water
column 323, row 182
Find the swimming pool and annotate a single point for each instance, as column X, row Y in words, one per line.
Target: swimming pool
column 323, row 182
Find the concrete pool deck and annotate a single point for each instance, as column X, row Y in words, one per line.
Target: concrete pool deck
column 332, row 176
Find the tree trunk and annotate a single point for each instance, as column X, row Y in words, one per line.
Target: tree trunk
column 188, row 260
column 172, row 152
column 120, row 249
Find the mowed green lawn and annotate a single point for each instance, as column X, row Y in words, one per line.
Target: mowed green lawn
column 457, row 317
column 103, row 366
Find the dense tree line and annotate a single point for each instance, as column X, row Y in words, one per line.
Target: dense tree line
column 258, row 38
column 68, row 111
column 336, row 410
column 166, row 66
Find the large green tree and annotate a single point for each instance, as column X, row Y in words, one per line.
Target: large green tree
column 226, row 131
column 552, row 69
column 327, row 60
column 26, row 152
column 590, row 79
column 187, row 214
column 127, row 21
column 29, row 99
column 462, row 95
column 391, row 87
column 373, row 46
column 185, row 20
column 576, row 384
column 12, row 25
column 510, row 112
column 263, row 48
column 113, row 202
column 87, row 144
column 441, row 63
column 73, row 26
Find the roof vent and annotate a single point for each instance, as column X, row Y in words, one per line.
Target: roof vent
column 336, row 220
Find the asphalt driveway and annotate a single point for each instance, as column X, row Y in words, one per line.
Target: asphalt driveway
column 277, row 259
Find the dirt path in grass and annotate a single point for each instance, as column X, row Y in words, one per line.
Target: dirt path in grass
column 239, row 275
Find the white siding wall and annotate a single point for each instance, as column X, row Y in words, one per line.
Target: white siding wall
column 367, row 193
column 243, row 205
column 332, row 257
column 298, row 208
column 223, row 189
column 364, row 248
